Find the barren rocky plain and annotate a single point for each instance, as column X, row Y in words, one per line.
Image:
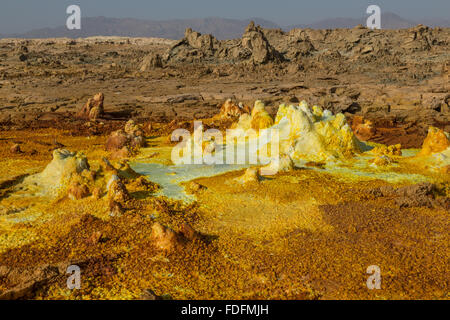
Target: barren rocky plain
column 86, row 176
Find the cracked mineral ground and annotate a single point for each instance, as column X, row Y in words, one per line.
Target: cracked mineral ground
column 362, row 177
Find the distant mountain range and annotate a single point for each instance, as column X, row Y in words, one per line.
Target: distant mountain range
column 129, row 27
column 388, row 21
column 221, row 28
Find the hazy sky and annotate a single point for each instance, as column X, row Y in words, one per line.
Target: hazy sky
column 24, row 15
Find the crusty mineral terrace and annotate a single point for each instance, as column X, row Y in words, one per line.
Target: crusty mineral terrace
column 335, row 206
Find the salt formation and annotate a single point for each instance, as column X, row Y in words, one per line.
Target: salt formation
column 195, row 187
column 15, row 148
column 77, row 191
column 59, row 172
column 260, row 117
column 166, row 239
column 363, row 128
column 69, row 174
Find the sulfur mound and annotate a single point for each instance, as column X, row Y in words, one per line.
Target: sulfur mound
column 382, row 160
column 257, row 120
column 260, row 117
column 315, row 135
column 435, row 152
column 436, row 141
column 299, row 133
column 59, row 172
column 394, row 150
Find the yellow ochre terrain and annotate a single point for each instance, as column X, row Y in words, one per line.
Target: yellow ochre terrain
column 331, row 207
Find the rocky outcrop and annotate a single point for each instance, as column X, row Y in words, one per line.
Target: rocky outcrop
column 122, row 142
column 93, row 109
column 232, row 111
column 166, row 239
column 261, row 50
column 419, row 38
column 195, row 47
column 77, row 191
column 198, row 41
column 117, row 196
column 260, row 46
column 151, row 61
column 446, row 75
